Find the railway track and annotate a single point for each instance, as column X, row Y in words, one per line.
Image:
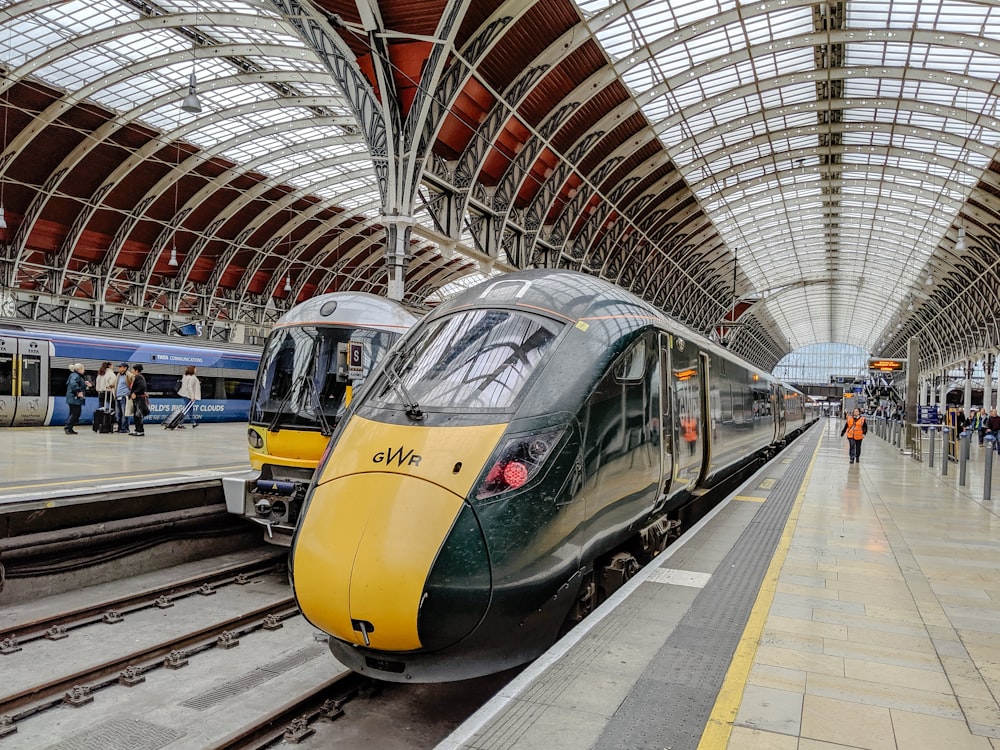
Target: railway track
column 111, row 611
column 77, row 688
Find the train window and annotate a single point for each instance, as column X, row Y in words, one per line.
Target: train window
column 632, row 365
column 303, row 377
column 474, row 359
column 31, row 376
column 6, row 374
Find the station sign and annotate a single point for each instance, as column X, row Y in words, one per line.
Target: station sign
column 886, row 365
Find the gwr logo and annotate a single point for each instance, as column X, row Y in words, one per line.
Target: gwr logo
column 399, row 456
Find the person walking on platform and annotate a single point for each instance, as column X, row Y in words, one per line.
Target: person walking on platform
column 139, row 399
column 76, row 393
column 993, row 428
column 855, row 428
column 123, row 390
column 979, row 423
column 190, row 391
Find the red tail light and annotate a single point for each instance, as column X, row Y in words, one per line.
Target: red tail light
column 520, row 461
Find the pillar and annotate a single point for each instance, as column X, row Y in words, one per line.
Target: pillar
column 988, row 382
column 967, row 402
column 397, row 236
column 912, row 389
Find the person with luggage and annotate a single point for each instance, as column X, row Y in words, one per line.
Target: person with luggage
column 140, row 400
column 76, row 396
column 190, row 391
column 123, row 390
column 104, row 384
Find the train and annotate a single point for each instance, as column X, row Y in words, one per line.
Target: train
column 316, row 356
column 525, row 448
column 35, row 362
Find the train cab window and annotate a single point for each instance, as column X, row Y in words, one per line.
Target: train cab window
column 475, row 359
column 303, row 377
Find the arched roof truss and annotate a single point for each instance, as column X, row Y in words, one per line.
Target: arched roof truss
column 775, row 174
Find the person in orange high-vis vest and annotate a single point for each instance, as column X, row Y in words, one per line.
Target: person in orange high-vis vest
column 855, row 428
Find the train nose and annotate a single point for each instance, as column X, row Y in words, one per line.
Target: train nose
column 364, row 553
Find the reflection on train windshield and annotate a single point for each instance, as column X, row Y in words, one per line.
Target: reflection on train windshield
column 303, row 376
column 476, row 359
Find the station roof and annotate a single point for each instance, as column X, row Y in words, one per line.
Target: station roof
column 773, row 173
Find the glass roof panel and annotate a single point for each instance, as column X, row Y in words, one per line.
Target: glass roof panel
column 142, row 73
column 874, row 174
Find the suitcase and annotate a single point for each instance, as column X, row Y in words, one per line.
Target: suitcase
column 176, row 417
column 104, row 421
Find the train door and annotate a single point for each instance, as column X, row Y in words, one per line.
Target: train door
column 687, row 370
column 24, row 382
column 778, row 406
column 663, row 429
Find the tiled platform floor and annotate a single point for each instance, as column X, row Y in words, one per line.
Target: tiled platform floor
column 884, row 630
column 44, row 462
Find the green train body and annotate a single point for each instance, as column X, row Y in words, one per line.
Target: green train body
column 514, row 460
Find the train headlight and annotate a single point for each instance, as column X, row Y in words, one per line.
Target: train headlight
column 255, row 440
column 520, row 461
column 263, row 508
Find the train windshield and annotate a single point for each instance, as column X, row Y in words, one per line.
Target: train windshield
column 305, row 372
column 479, row 359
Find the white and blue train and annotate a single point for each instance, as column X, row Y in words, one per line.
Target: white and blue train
column 34, row 367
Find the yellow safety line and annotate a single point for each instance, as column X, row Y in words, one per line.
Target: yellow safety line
column 121, row 477
column 749, row 498
column 720, row 721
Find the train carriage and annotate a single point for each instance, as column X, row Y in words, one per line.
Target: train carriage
column 35, row 362
column 524, row 449
column 316, row 356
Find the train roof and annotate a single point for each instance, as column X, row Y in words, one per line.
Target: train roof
column 350, row 308
column 575, row 296
column 83, row 345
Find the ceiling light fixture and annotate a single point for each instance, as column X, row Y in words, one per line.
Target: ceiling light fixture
column 910, row 306
column 929, row 281
column 173, row 257
column 191, row 102
column 960, row 242
column 288, row 283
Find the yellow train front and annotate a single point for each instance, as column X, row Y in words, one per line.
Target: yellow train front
column 478, row 495
column 318, row 353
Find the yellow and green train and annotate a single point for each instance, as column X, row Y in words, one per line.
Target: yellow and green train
column 513, row 460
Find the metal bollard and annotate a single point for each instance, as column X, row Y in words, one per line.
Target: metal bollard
column 930, row 456
column 963, row 456
column 988, row 477
column 944, row 451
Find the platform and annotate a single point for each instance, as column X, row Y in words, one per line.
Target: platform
column 823, row 605
column 41, row 463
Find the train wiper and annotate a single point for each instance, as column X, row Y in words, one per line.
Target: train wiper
column 303, row 379
column 413, row 410
column 275, row 423
column 324, row 424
